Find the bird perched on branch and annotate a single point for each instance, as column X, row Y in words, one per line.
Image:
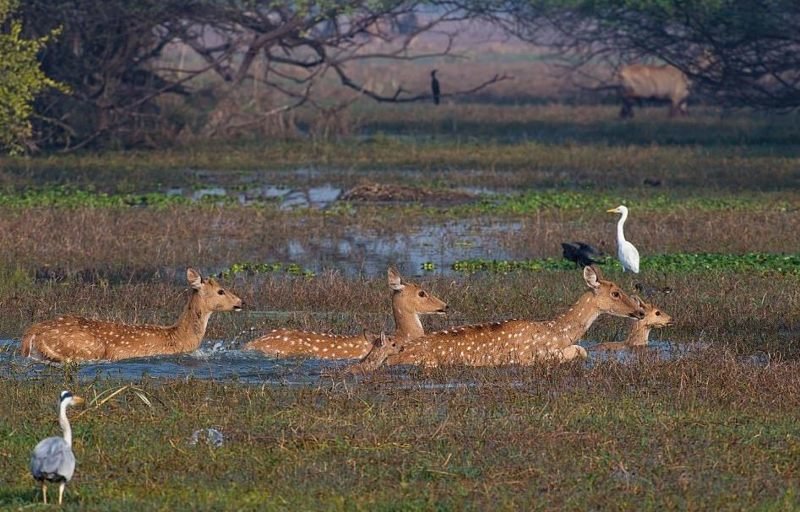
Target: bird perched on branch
column 436, row 90
column 52, row 460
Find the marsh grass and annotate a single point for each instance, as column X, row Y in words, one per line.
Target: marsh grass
column 714, row 429
column 502, row 146
column 703, row 432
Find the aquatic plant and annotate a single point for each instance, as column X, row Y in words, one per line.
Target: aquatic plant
column 675, row 262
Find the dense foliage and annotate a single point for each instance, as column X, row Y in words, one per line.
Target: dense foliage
column 21, row 79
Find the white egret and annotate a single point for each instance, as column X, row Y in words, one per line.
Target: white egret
column 52, row 460
column 626, row 252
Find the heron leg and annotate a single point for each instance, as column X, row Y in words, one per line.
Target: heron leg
column 44, row 492
column 61, row 492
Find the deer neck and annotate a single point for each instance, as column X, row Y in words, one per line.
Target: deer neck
column 406, row 321
column 639, row 334
column 572, row 324
column 191, row 326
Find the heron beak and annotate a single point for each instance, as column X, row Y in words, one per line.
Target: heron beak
column 78, row 400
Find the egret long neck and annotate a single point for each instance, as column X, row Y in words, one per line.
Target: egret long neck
column 620, row 234
column 64, row 422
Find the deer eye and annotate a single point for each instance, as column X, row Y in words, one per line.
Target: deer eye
column 658, row 313
column 221, row 292
column 615, row 295
column 422, row 293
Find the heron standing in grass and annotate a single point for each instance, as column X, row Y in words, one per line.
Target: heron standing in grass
column 52, row 460
column 436, row 91
column 626, row 252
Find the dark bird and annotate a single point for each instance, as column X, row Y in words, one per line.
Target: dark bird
column 435, row 89
column 581, row 253
column 647, row 290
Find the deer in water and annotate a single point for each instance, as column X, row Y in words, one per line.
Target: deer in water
column 522, row 341
column 642, row 81
column 382, row 348
column 408, row 302
column 654, row 318
column 73, row 338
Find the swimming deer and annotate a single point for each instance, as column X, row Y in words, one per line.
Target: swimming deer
column 382, row 348
column 654, row 318
column 642, row 81
column 73, row 338
column 522, row 341
column 408, row 302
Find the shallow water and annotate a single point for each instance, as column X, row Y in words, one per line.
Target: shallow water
column 217, row 360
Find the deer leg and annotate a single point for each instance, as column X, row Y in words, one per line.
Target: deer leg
column 571, row 352
column 627, row 108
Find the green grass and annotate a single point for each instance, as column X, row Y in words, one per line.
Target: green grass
column 645, row 436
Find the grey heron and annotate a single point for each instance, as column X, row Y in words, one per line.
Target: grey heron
column 52, row 460
column 627, row 253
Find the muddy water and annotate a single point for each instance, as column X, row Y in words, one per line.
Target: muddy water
column 218, row 360
column 435, row 247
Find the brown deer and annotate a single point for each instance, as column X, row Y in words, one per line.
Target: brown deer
column 642, row 81
column 382, row 348
column 408, row 302
column 73, row 338
column 522, row 341
column 654, row 318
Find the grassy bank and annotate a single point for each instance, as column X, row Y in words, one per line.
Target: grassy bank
column 705, row 432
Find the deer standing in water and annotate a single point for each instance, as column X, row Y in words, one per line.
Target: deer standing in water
column 73, row 338
column 654, row 318
column 408, row 302
column 522, row 341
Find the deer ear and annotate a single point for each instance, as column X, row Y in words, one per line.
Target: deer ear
column 394, row 280
column 194, row 278
column 638, row 300
column 591, row 277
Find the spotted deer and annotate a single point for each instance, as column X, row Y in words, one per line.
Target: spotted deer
column 522, row 341
column 654, row 318
column 73, row 338
column 382, row 348
column 408, row 302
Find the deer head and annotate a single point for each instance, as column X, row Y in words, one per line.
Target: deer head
column 409, row 297
column 653, row 316
column 212, row 296
column 609, row 298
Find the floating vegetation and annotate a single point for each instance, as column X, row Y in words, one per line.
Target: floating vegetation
column 65, row 196
column 250, row 268
column 677, row 262
column 69, row 197
column 571, row 200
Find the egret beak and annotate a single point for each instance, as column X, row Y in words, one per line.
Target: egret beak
column 612, row 210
